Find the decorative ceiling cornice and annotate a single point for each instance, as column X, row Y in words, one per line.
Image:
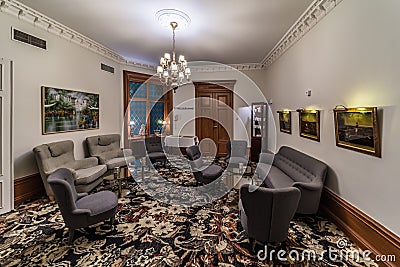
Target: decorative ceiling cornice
column 40, row 20
column 314, row 14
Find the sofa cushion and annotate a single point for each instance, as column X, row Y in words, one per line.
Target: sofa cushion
column 278, row 179
column 89, row 175
column 104, row 140
column 98, row 202
column 212, row 171
column 57, row 149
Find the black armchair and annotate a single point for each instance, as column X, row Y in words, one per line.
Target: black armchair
column 155, row 150
column 265, row 213
column 202, row 172
column 80, row 209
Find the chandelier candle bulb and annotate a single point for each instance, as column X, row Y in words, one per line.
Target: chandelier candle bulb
column 173, row 71
column 167, row 56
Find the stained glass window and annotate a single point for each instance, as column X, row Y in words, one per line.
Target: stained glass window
column 146, row 106
column 156, row 115
column 137, row 110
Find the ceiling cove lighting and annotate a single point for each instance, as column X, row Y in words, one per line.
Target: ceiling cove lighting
column 173, row 73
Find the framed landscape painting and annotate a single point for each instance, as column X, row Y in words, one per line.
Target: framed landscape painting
column 285, row 121
column 65, row 110
column 309, row 124
column 357, row 129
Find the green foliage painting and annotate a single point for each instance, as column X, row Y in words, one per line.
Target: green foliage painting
column 66, row 110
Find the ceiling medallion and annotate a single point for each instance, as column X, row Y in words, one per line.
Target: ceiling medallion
column 173, row 73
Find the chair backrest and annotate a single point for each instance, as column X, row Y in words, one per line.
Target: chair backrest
column 195, row 158
column 273, row 210
column 138, row 148
column 153, row 144
column 237, row 148
column 52, row 156
column 100, row 144
column 62, row 184
column 299, row 166
column 285, row 202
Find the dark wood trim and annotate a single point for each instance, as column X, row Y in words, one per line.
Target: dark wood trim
column 361, row 228
column 28, row 187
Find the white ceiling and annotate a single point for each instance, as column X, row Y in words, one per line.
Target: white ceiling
column 225, row 31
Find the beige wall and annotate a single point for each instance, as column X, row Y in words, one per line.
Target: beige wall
column 351, row 58
column 64, row 65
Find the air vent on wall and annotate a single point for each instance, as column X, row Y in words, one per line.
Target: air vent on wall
column 107, row 68
column 28, row 39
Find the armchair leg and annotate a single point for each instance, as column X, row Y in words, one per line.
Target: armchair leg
column 112, row 219
column 71, row 236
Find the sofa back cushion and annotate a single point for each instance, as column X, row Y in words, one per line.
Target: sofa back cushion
column 299, row 166
column 100, row 144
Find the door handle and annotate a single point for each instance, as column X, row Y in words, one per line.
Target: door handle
column 215, row 126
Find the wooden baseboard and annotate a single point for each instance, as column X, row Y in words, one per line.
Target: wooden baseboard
column 28, row 187
column 361, row 228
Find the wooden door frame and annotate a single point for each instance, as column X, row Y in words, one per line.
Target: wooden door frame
column 220, row 86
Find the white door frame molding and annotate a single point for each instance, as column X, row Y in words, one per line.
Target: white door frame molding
column 6, row 136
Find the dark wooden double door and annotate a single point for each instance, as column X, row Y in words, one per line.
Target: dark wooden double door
column 214, row 117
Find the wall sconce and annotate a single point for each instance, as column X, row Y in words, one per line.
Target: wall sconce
column 340, row 107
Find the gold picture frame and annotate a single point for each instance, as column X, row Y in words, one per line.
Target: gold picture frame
column 66, row 110
column 357, row 129
column 309, row 124
column 285, row 121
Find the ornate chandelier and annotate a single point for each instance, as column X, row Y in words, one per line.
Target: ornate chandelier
column 173, row 73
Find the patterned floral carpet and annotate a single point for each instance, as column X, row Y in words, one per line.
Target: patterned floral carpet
column 147, row 232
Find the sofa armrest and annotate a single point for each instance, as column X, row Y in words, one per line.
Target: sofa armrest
column 267, row 158
column 105, row 156
column 308, row 186
column 126, row 152
column 86, row 163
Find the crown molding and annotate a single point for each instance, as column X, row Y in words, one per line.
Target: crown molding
column 314, row 13
column 311, row 17
column 221, row 67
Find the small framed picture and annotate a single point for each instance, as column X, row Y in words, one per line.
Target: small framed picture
column 285, row 121
column 357, row 129
column 309, row 124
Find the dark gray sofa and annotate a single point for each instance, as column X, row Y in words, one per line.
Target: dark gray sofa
column 292, row 168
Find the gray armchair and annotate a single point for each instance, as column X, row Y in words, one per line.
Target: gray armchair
column 87, row 172
column 237, row 152
column 107, row 149
column 80, row 210
column 202, row 172
column 265, row 213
